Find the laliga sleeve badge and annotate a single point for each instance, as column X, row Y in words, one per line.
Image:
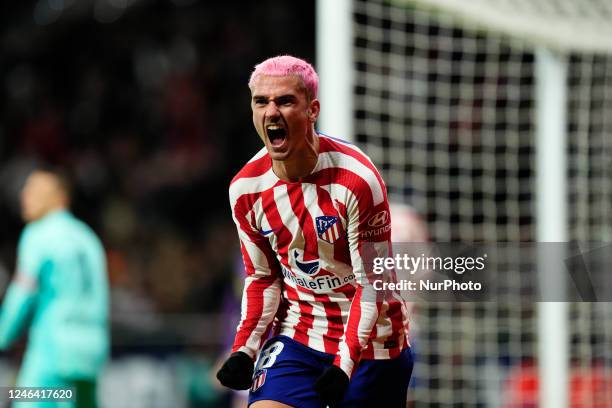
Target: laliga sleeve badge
column 258, row 379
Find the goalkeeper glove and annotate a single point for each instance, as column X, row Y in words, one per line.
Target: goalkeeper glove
column 332, row 385
column 237, row 371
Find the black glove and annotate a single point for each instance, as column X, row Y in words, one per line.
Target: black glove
column 237, row 371
column 331, row 385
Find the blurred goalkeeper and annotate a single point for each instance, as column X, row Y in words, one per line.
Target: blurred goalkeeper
column 308, row 207
column 61, row 288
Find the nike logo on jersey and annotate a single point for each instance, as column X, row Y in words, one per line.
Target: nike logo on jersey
column 265, row 233
column 309, row 268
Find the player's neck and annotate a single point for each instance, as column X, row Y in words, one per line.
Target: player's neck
column 301, row 164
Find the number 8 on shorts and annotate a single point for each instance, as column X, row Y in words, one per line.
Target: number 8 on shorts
column 268, row 355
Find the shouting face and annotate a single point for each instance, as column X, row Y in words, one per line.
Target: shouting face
column 283, row 116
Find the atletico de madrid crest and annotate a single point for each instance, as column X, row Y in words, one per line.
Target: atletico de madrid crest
column 258, row 380
column 328, row 228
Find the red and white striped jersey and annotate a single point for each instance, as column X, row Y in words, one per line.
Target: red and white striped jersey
column 303, row 246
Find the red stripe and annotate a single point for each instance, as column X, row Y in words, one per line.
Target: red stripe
column 354, row 183
column 394, row 313
column 305, row 319
column 368, row 353
column 254, row 236
column 281, row 315
column 395, row 351
column 352, row 326
column 283, row 235
column 246, row 260
column 326, row 145
column 347, row 290
column 296, row 198
column 335, row 232
column 335, row 328
column 255, row 304
column 265, row 334
column 244, row 204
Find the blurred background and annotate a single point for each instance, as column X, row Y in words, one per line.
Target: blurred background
column 146, row 103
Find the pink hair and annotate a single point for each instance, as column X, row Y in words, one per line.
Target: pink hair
column 286, row 65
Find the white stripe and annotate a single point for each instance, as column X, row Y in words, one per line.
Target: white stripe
column 250, row 185
column 264, row 225
column 262, row 152
column 351, row 146
column 286, row 326
column 315, row 336
column 257, row 256
column 255, row 214
column 346, row 363
column 288, row 217
column 267, row 314
column 338, row 159
column 335, row 232
column 293, row 312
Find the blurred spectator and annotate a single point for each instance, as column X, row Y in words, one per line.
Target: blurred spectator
column 141, row 101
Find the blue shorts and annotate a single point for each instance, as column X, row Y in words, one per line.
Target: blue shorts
column 286, row 371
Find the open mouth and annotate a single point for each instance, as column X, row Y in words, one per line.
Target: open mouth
column 277, row 134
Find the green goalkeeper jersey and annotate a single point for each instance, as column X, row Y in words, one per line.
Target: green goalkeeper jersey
column 61, row 289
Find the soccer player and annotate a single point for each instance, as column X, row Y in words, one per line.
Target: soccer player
column 61, row 287
column 308, row 209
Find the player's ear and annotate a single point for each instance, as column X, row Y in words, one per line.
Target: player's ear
column 313, row 111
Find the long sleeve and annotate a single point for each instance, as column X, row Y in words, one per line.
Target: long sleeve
column 21, row 294
column 16, row 308
column 369, row 235
column 262, row 286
